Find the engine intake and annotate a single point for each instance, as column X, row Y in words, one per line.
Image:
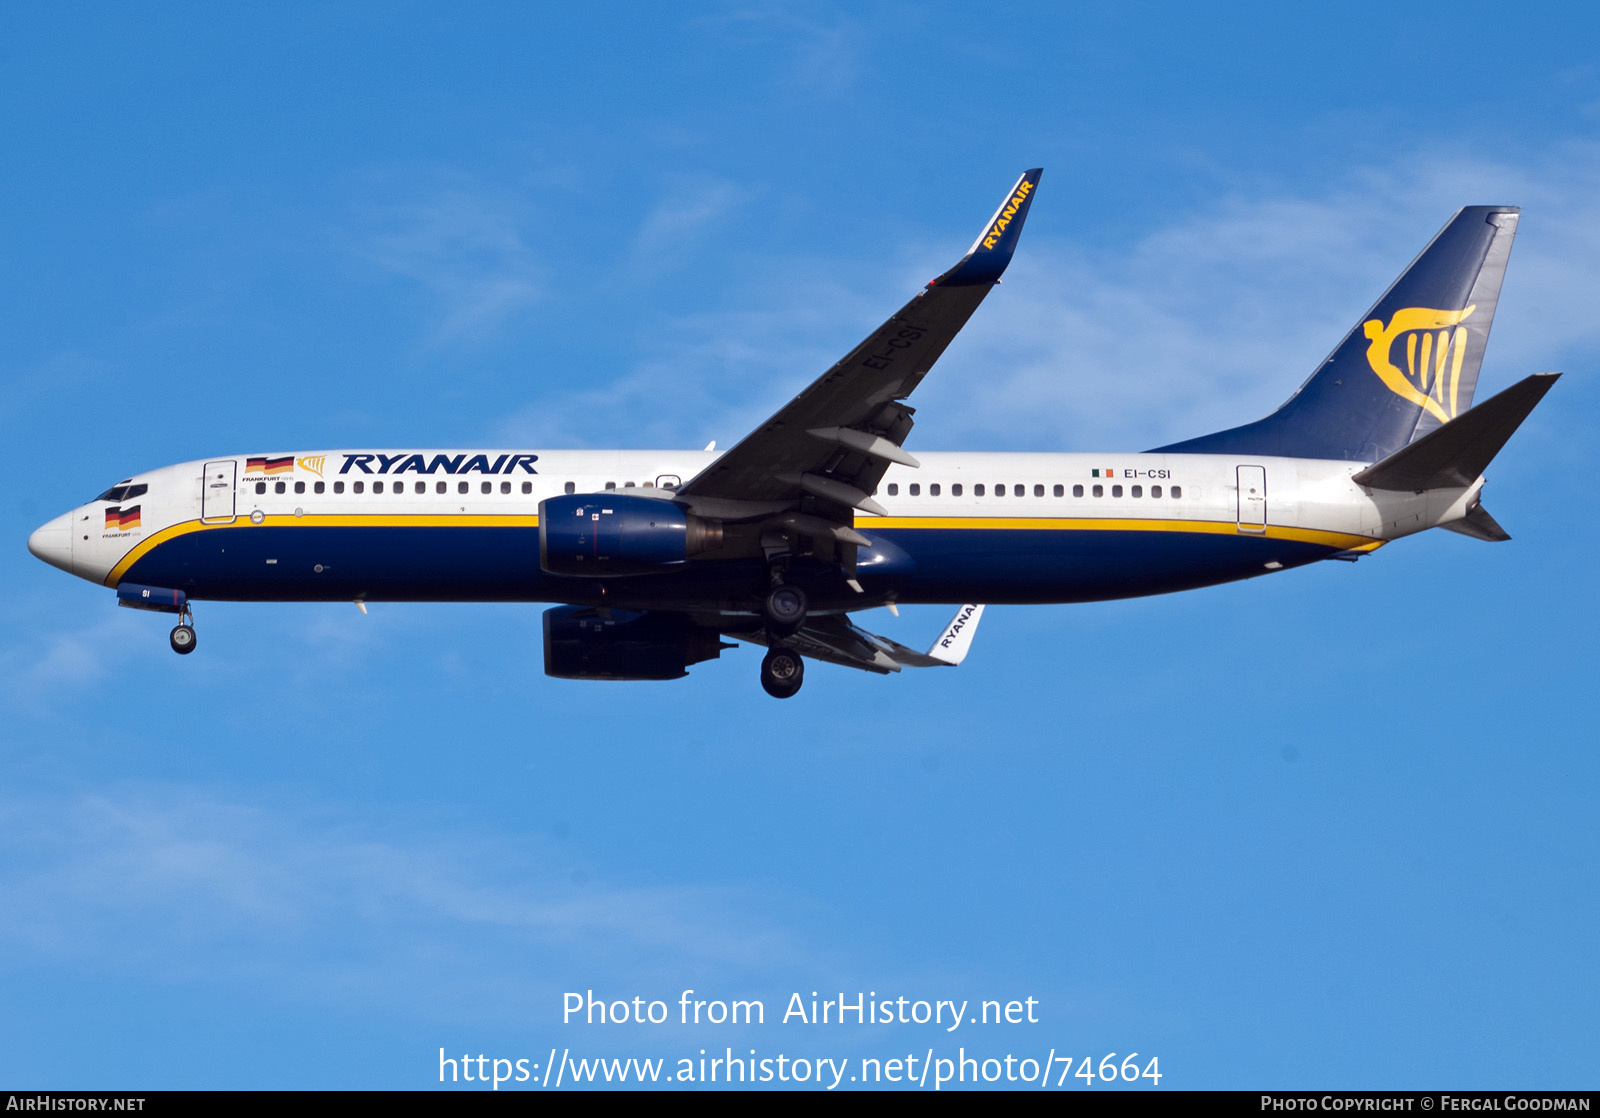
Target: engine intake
column 604, row 535
column 581, row 642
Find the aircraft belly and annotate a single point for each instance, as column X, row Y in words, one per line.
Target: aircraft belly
column 1081, row 565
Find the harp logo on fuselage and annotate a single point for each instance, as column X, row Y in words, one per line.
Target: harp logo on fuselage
column 1435, row 347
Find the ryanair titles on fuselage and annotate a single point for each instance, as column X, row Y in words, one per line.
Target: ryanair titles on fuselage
column 409, row 462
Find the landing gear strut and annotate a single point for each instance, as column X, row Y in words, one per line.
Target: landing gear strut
column 782, row 672
column 183, row 635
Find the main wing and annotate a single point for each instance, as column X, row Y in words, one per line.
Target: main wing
column 825, row 451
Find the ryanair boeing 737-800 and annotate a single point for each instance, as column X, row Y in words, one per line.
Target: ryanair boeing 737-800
column 656, row 556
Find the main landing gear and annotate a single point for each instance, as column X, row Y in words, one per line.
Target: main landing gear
column 783, row 613
column 183, row 635
column 782, row 672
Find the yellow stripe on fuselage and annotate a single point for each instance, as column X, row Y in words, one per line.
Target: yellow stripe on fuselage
column 1342, row 540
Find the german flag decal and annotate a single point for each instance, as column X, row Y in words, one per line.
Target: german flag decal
column 284, row 465
column 120, row 520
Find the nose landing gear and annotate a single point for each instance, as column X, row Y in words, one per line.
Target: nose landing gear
column 182, row 638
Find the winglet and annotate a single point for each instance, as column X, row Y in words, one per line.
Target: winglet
column 986, row 260
column 952, row 645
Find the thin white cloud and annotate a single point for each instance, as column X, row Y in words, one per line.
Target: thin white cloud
column 177, row 884
column 467, row 247
column 708, row 375
column 23, row 391
column 55, row 663
column 1215, row 319
column 1206, row 322
column 821, row 52
column 690, row 209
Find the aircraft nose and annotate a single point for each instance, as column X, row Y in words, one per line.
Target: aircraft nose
column 52, row 542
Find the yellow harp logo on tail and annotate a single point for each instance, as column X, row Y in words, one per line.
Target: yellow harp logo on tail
column 1436, row 345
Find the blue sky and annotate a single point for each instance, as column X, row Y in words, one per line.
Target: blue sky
column 1332, row 828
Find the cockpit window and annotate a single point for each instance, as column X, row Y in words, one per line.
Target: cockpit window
column 123, row 492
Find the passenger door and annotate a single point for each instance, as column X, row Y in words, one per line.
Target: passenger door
column 1252, row 498
column 216, row 492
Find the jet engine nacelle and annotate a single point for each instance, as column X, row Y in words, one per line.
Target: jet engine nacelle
column 604, row 535
column 581, row 642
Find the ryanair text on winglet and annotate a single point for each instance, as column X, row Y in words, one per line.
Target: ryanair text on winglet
column 1007, row 212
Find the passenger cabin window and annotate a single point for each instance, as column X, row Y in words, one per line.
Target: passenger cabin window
column 299, row 487
column 1155, row 491
column 505, row 487
column 611, row 485
column 319, row 487
column 421, row 487
column 1098, row 491
column 627, row 485
column 442, row 487
column 955, row 490
column 462, row 487
column 894, row 490
column 1022, row 491
column 527, row 487
column 487, row 487
column 1137, row 491
column 977, row 490
column 933, row 490
column 1038, row 491
column 1077, row 490
column 261, row 487
column 1177, row 492
column 338, row 487
column 1060, row 491
column 914, row 489
column 1000, row 490
column 570, row 487
column 279, row 486
column 400, row 488
column 359, row 486
column 1116, row 490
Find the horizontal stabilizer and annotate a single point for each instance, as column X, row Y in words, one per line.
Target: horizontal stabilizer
column 1479, row 525
column 1455, row 455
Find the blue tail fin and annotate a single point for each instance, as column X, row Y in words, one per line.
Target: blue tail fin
column 1409, row 365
